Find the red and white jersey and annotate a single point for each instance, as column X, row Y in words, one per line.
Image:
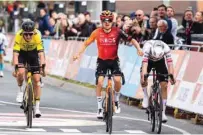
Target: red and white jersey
column 148, row 54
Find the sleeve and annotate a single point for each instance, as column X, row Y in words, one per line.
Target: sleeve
column 16, row 47
column 167, row 52
column 39, row 42
column 124, row 35
column 91, row 38
column 146, row 49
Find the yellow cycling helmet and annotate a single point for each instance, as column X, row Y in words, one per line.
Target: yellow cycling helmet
column 106, row 14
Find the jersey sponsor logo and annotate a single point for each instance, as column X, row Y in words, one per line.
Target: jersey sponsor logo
column 28, row 46
column 108, row 41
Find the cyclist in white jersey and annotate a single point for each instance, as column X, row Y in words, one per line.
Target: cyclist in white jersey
column 156, row 55
column 3, row 45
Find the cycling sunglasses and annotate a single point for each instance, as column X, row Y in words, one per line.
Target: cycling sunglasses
column 28, row 33
column 107, row 20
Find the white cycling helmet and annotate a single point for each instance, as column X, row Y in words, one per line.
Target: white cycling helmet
column 157, row 49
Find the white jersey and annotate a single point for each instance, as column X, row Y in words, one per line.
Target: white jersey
column 147, row 51
column 3, row 41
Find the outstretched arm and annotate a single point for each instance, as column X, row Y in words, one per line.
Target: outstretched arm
column 84, row 46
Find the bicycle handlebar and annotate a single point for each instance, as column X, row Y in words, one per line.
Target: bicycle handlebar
column 158, row 74
column 28, row 67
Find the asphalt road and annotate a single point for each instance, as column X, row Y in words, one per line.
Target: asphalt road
column 66, row 111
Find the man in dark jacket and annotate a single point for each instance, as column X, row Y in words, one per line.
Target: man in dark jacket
column 44, row 26
column 92, row 26
column 83, row 29
column 163, row 33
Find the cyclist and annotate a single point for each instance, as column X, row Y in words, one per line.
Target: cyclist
column 3, row 45
column 156, row 52
column 107, row 38
column 28, row 48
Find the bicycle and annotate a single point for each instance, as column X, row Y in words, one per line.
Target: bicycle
column 155, row 108
column 108, row 102
column 28, row 95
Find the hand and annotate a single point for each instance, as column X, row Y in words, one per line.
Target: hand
column 15, row 73
column 74, row 30
column 47, row 33
column 43, row 73
column 76, row 57
column 42, row 70
column 140, row 52
column 172, row 80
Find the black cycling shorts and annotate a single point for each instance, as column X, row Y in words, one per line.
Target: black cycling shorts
column 104, row 65
column 30, row 57
column 160, row 67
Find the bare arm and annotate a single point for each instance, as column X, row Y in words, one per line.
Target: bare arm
column 41, row 57
column 170, row 68
column 15, row 58
column 86, row 43
column 136, row 44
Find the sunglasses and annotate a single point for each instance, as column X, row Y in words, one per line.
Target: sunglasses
column 107, row 20
column 28, row 33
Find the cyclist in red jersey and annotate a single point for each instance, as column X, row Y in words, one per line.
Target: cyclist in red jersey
column 107, row 38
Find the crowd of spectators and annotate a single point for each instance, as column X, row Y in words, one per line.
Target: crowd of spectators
column 161, row 24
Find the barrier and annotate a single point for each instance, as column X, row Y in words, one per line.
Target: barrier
column 194, row 47
column 188, row 70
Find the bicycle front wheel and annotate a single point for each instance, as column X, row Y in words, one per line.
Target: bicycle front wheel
column 152, row 113
column 30, row 106
column 110, row 112
column 158, row 112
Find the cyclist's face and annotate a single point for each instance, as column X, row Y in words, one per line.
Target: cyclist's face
column 107, row 24
column 28, row 36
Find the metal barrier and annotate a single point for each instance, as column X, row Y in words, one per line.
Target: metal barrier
column 186, row 47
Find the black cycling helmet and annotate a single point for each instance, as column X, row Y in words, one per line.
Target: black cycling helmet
column 28, row 26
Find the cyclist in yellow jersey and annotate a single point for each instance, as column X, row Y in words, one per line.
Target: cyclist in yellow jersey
column 28, row 48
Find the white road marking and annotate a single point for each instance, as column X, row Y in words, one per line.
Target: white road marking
column 70, row 130
column 135, row 131
column 44, row 122
column 128, row 118
column 35, row 130
column 52, row 115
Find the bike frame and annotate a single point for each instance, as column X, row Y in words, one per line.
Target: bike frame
column 108, row 88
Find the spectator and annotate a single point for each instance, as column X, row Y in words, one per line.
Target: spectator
column 153, row 31
column 44, row 26
column 170, row 14
column 198, row 23
column 114, row 18
column 119, row 22
column 54, row 15
column 92, row 26
column 187, row 24
column 154, row 12
column 137, row 33
column 70, row 30
column 52, row 23
column 164, row 33
column 140, row 18
column 83, row 29
column 162, row 14
column 127, row 23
